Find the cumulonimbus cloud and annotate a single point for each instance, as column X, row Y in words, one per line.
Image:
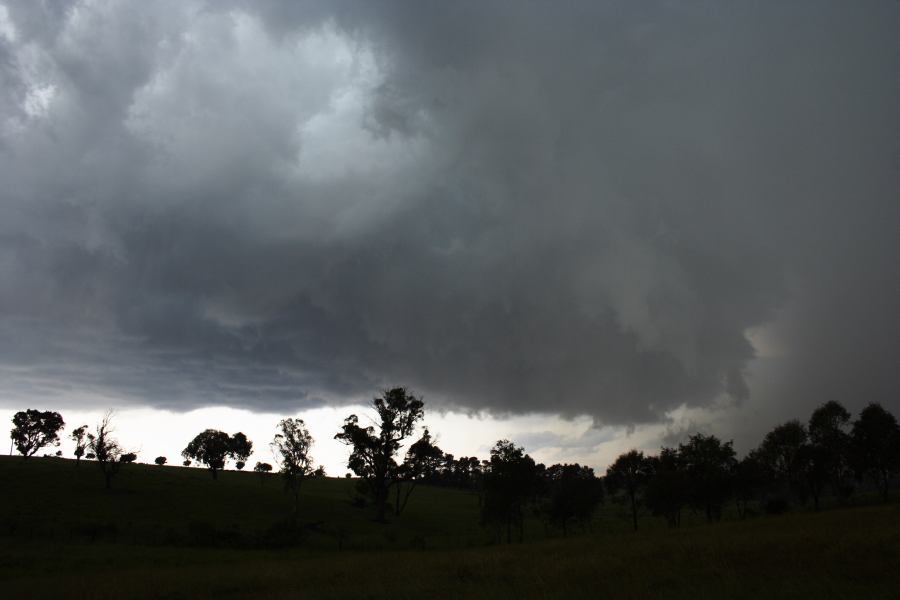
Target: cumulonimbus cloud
column 508, row 207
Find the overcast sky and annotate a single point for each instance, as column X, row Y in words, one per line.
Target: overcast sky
column 591, row 224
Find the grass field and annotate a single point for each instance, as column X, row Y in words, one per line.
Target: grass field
column 170, row 532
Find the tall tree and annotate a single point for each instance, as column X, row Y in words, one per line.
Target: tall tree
column 573, row 493
column 628, row 476
column 667, row 488
column 292, row 445
column 708, row 464
column 785, row 456
column 106, row 449
column 876, row 446
column 35, row 429
column 372, row 455
column 79, row 436
column 421, row 463
column 509, row 484
column 213, row 448
column 241, row 449
column 829, row 441
column 262, row 468
column 749, row 479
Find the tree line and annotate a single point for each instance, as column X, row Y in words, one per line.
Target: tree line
column 795, row 464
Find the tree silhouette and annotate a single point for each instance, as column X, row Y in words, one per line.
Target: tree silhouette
column 262, row 468
column 127, row 458
column 829, row 450
column 667, row 489
column 160, row 460
column 573, row 493
column 79, row 436
column 876, row 446
column 35, row 429
column 105, row 449
column 785, row 456
column 213, row 448
column 241, row 449
column 629, row 475
column 708, row 465
column 372, row 454
column 292, row 444
column 422, row 460
column 508, row 485
column 748, row 479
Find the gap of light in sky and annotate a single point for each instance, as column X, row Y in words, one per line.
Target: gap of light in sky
column 550, row 439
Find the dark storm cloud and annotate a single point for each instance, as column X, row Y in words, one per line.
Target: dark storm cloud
column 511, row 207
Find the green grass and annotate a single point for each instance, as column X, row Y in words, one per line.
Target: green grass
column 144, row 547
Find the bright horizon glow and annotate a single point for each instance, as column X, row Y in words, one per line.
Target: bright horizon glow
column 549, row 439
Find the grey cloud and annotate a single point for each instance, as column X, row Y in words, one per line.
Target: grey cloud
column 508, row 207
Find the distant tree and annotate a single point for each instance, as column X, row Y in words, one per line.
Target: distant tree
column 241, row 449
column 876, row 446
column 35, row 429
column 372, row 454
column 422, row 460
column 573, row 494
column 127, row 458
column 262, row 468
column 186, row 462
column 213, row 448
column 784, row 454
column 667, row 490
column 829, row 452
column 239, row 465
column 79, row 436
column 628, row 476
column 90, row 456
column 708, row 464
column 106, row 449
column 749, row 478
column 292, row 445
column 509, row 484
column 319, row 472
column 160, row 460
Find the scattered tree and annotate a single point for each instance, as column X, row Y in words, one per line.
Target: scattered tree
column 292, row 445
column 186, row 462
column 628, row 476
column 35, row 429
column 573, row 493
column 241, row 449
column 213, row 448
column 829, row 450
column 372, row 454
column 422, row 460
column 876, row 446
column 160, row 460
column 509, row 484
column 708, row 465
column 127, row 458
column 106, row 449
column 262, row 468
column 666, row 493
column 785, row 456
column 79, row 436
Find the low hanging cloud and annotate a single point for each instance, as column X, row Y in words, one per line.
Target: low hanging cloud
column 509, row 207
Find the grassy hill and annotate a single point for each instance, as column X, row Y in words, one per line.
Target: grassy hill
column 172, row 532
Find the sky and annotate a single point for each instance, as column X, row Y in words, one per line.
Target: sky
column 586, row 226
